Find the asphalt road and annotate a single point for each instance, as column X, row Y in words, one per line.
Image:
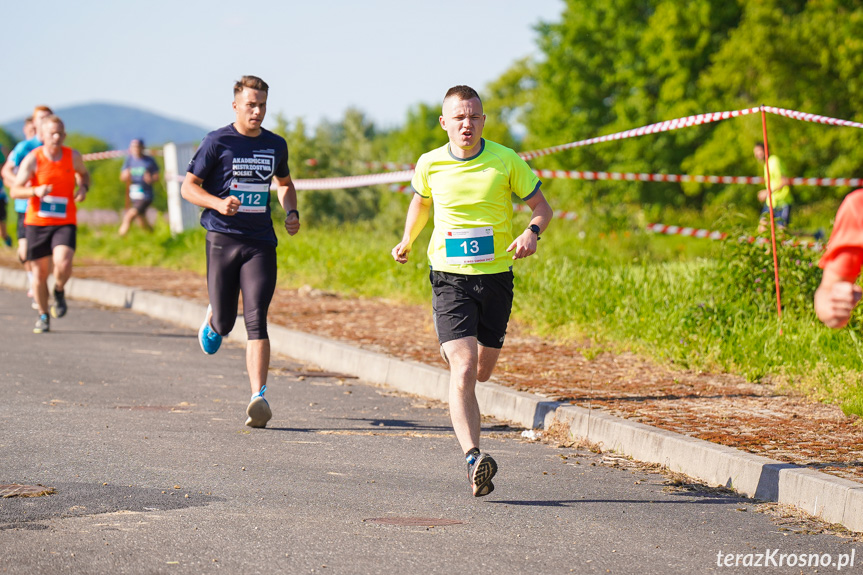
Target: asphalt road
column 142, row 437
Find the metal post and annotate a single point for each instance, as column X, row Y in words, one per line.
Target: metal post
column 182, row 215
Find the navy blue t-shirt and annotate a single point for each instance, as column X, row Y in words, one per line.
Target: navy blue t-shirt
column 230, row 163
column 138, row 188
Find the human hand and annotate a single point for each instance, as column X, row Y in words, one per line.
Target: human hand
column 523, row 246
column 835, row 306
column 762, row 195
column 292, row 223
column 229, row 206
column 401, row 252
column 42, row 191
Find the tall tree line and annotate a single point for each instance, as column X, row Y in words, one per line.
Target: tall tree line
column 620, row 64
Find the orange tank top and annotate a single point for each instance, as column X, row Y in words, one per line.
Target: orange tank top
column 57, row 208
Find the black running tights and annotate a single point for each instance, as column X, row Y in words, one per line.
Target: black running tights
column 236, row 265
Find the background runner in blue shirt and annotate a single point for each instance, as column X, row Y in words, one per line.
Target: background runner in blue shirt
column 140, row 172
column 10, row 168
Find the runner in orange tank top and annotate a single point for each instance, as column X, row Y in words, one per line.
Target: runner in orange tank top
column 53, row 178
column 57, row 206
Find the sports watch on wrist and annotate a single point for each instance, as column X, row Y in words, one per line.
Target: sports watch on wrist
column 535, row 229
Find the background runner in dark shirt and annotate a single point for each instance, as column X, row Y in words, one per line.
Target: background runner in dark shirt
column 140, row 172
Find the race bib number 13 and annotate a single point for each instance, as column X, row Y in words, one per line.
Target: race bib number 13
column 253, row 197
column 470, row 246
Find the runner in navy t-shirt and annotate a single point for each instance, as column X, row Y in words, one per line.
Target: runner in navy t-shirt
column 230, row 177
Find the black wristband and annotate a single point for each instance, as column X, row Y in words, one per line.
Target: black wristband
column 292, row 212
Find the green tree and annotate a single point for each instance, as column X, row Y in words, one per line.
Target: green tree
column 507, row 101
column 337, row 149
column 7, row 142
column 420, row 133
column 804, row 56
column 616, row 65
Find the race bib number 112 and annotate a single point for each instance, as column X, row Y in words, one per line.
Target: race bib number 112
column 253, row 197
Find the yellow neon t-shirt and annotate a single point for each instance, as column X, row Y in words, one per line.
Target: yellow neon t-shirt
column 473, row 206
column 782, row 195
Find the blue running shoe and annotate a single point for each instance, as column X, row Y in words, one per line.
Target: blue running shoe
column 259, row 411
column 209, row 339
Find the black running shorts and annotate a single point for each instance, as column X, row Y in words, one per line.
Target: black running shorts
column 472, row 306
column 781, row 215
column 141, row 206
column 236, row 264
column 41, row 240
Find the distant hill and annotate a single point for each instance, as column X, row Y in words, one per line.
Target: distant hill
column 118, row 124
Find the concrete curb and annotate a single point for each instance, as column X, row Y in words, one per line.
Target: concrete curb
column 833, row 499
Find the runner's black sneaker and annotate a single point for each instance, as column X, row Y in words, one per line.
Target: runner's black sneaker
column 59, row 308
column 479, row 474
column 43, row 324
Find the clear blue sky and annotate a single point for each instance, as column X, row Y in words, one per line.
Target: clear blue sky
column 180, row 58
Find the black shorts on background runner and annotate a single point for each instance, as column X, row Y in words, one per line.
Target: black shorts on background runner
column 472, row 306
column 141, row 206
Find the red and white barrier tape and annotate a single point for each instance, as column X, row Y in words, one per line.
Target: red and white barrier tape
column 712, row 235
column 665, row 126
column 628, row 176
column 353, row 181
column 686, row 122
column 806, row 117
column 103, row 155
column 684, row 231
column 406, row 175
column 110, row 155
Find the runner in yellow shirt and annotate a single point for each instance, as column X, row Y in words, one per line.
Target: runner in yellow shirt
column 471, row 181
column 782, row 199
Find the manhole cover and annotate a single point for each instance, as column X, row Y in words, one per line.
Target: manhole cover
column 414, row 521
column 15, row 490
